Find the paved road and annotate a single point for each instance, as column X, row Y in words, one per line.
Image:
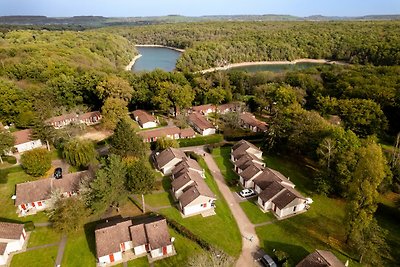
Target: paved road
column 250, row 242
column 62, row 164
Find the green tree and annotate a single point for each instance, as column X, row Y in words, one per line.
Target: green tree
column 140, row 177
column 36, row 162
column 125, row 142
column 114, row 87
column 79, row 152
column 6, row 143
column 164, row 143
column 44, row 132
column 370, row 244
column 68, row 214
column 173, row 95
column 364, row 117
column 113, row 110
column 109, row 186
column 368, row 174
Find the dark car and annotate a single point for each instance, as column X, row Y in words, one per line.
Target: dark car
column 267, row 261
column 58, row 173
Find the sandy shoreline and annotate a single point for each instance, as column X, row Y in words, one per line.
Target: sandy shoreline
column 130, row 65
column 245, row 64
column 169, row 47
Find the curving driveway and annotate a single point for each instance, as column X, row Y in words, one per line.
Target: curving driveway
column 250, row 242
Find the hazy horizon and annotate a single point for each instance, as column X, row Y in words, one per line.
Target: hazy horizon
column 196, row 8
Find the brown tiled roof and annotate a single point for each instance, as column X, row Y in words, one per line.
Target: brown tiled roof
column 271, row 190
column 159, row 132
column 284, row 198
column 138, row 235
column 199, row 121
column 200, row 188
column 246, row 160
column 143, row 116
column 89, row 115
column 270, row 175
column 187, row 163
column 187, row 132
column 249, row 119
column 241, row 147
column 110, row 235
column 203, row 108
column 320, row 258
column 180, row 181
column 168, row 155
column 250, row 171
column 230, row 106
column 22, row 136
column 61, row 118
column 3, row 247
column 41, row 189
column 11, row 230
column 157, row 234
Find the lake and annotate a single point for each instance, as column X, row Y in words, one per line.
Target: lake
column 278, row 67
column 156, row 57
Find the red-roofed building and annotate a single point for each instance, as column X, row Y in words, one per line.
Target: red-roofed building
column 24, row 141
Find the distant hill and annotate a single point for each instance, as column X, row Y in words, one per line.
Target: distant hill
column 99, row 21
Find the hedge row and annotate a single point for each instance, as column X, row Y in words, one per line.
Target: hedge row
column 188, row 234
column 247, row 136
column 203, row 140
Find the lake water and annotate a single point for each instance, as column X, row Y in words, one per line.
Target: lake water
column 278, row 67
column 156, row 57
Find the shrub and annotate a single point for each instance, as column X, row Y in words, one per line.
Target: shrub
column 36, row 162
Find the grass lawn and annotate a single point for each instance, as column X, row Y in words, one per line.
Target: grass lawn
column 222, row 156
column 80, row 250
column 220, row 230
column 319, row 228
column 140, row 262
column 36, row 258
column 388, row 216
column 158, row 199
column 8, row 179
column 254, row 213
column 185, row 249
column 42, row 236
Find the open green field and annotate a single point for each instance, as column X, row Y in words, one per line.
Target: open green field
column 140, row 262
column 36, row 258
column 254, row 213
column 222, row 156
column 220, row 230
column 81, row 248
column 156, row 200
column 8, row 179
column 42, row 236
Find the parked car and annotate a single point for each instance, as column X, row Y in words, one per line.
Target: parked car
column 267, row 261
column 58, row 173
column 246, row 192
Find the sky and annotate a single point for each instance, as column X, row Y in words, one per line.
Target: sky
column 134, row 8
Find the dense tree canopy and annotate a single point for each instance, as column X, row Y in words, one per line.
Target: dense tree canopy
column 36, row 162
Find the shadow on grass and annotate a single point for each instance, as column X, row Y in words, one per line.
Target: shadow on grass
column 4, row 173
column 296, row 253
column 166, row 183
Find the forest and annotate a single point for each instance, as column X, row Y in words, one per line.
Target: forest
column 217, row 43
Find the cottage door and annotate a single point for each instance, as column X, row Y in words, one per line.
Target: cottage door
column 122, row 247
column 111, row 257
column 164, row 250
